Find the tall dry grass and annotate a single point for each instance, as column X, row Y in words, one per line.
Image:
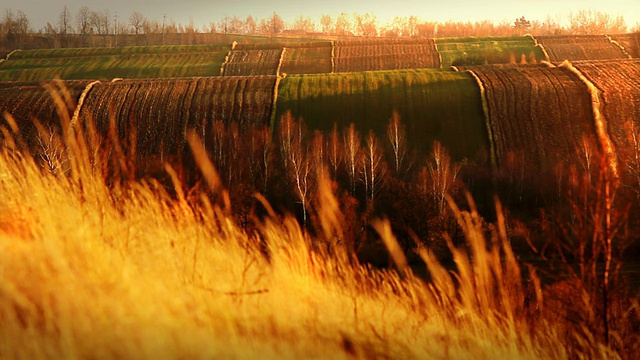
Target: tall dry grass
column 90, row 270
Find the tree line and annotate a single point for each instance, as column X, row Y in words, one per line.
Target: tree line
column 86, row 21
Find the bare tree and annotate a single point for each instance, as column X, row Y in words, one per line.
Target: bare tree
column 304, row 24
column 343, row 25
column 326, row 24
column 275, row 24
column 334, row 149
column 224, row 25
column 593, row 22
column 373, row 167
column 351, row 139
column 64, row 21
column 83, row 20
column 397, row 138
column 366, row 25
column 259, row 145
column 267, row 156
column 250, row 26
column 443, row 174
column 137, row 20
column 586, row 154
column 295, row 155
column 318, row 154
column 99, row 21
column 22, row 23
column 236, row 25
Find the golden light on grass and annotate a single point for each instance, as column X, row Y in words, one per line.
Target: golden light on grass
column 123, row 271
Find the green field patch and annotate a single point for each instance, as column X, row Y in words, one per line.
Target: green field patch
column 488, row 50
column 433, row 104
column 125, row 50
column 185, row 63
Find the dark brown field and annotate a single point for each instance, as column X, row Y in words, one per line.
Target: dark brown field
column 376, row 54
column 252, row 62
column 619, row 83
column 581, row 47
column 538, row 114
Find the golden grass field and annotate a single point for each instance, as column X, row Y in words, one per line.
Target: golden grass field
column 90, row 271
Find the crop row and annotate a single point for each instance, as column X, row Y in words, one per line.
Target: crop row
column 581, row 47
column 123, row 50
column 27, row 102
column 434, row 104
column 367, row 55
column 537, row 114
column 488, row 50
column 251, row 62
column 630, row 42
column 619, row 86
column 260, row 59
column 179, row 64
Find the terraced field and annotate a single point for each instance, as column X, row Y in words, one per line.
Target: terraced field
column 488, row 50
column 536, row 113
column 161, row 110
column 385, row 54
column 307, row 58
column 619, row 83
column 34, row 101
column 630, row 42
column 539, row 113
column 433, row 103
column 581, row 47
column 107, row 63
column 252, row 60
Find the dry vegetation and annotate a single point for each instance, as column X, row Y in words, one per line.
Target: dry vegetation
column 131, row 227
column 127, row 271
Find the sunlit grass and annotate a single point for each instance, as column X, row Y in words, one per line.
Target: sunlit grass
column 127, row 271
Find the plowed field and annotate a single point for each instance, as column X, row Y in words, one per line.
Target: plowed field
column 385, row 54
column 580, row 47
column 619, row 82
column 27, row 101
column 538, row 113
column 630, row 42
column 252, row 62
column 311, row 58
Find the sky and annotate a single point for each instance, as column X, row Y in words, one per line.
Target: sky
column 203, row 12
